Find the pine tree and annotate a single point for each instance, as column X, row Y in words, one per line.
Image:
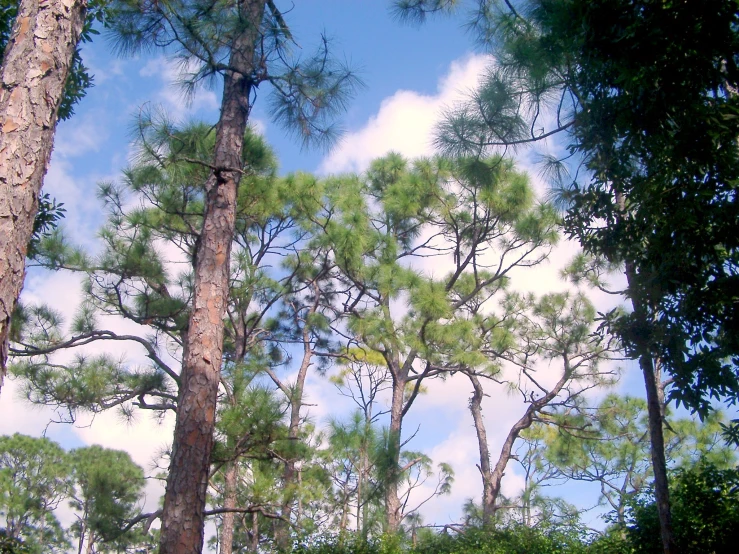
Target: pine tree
column 479, row 215
column 135, row 278
column 242, row 42
column 556, row 330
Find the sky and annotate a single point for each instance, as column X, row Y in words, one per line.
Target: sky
column 410, row 74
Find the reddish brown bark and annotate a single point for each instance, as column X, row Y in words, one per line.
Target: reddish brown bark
column 185, row 497
column 34, row 71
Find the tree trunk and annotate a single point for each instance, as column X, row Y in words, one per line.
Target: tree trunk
column 488, row 499
column 493, row 479
column 655, row 410
column 187, row 482
column 230, row 477
column 35, row 68
column 290, row 474
column 392, row 501
column 255, row 532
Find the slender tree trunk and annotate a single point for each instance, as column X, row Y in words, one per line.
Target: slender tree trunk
column 344, row 511
column 360, row 489
column 255, row 532
column 81, row 542
column 230, row 477
column 187, row 482
column 488, row 499
column 655, row 410
column 289, row 475
column 655, row 413
column 392, row 501
column 90, row 543
column 34, row 71
column 492, row 479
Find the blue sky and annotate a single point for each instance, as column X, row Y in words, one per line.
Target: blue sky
column 410, row 74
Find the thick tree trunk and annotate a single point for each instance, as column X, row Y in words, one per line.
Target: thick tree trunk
column 230, row 476
column 34, row 71
column 488, row 499
column 187, row 482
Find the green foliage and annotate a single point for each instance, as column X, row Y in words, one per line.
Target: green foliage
column 705, row 512
column 10, row 545
column 471, row 540
column 34, row 479
column 609, row 445
column 645, row 91
column 89, row 383
column 108, row 486
column 103, row 486
column 661, row 131
column 307, row 93
column 50, row 213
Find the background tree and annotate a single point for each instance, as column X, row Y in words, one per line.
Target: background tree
column 479, row 214
column 34, row 480
column 106, row 488
column 705, row 508
column 608, row 445
column 557, row 359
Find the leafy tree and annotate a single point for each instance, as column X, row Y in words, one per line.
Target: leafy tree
column 655, row 140
column 34, row 480
column 705, row 507
column 608, row 445
column 9, row 545
column 106, row 489
column 363, row 377
column 245, row 43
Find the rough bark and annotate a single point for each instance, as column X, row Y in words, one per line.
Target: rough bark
column 185, row 496
column 230, row 476
column 34, row 71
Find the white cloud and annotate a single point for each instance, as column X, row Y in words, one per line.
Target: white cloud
column 404, row 122
column 178, row 103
